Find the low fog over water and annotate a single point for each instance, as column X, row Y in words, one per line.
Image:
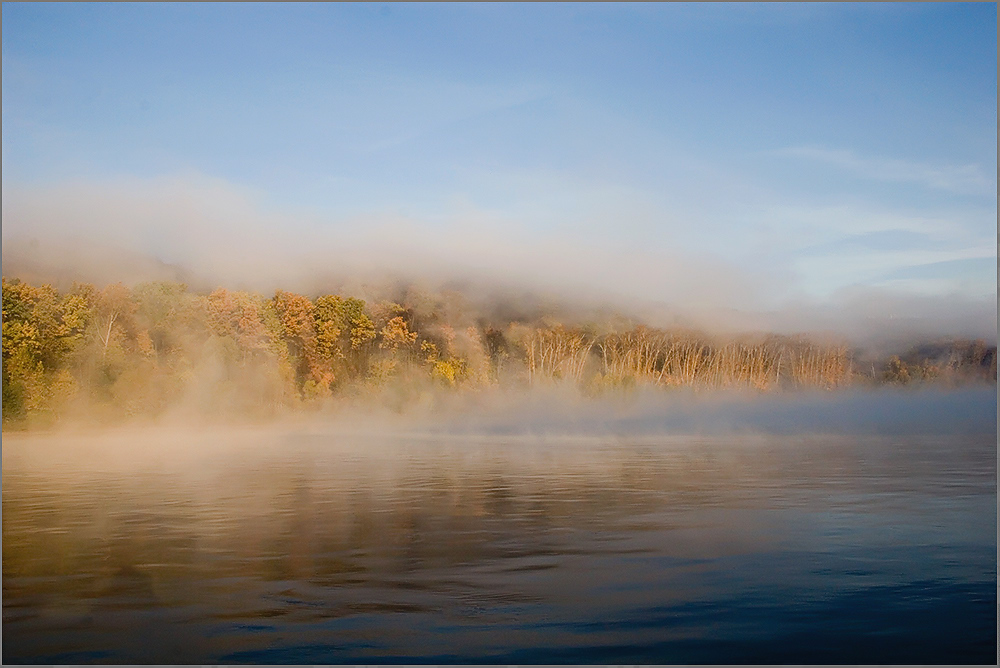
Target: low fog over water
column 858, row 528
column 886, row 411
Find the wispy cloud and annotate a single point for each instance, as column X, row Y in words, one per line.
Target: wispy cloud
column 791, row 229
column 402, row 110
column 960, row 179
column 829, row 273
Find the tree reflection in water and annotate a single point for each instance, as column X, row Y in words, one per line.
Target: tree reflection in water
column 318, row 548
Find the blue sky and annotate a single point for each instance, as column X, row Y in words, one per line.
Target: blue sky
column 790, row 152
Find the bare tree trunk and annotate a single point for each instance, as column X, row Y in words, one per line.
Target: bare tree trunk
column 106, row 337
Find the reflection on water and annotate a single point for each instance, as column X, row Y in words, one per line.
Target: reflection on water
column 304, row 547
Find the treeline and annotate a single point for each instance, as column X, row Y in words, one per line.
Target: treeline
column 118, row 352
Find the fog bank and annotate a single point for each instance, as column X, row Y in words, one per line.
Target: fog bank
column 208, row 233
column 649, row 414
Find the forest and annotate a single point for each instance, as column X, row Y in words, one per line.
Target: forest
column 120, row 352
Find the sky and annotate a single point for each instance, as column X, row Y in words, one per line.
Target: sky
column 751, row 157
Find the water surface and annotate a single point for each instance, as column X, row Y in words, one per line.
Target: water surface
column 311, row 546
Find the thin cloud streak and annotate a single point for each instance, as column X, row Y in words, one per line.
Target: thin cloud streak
column 958, row 179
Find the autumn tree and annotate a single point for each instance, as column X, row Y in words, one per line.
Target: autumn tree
column 237, row 316
column 344, row 334
column 396, row 335
column 556, row 353
column 42, row 330
column 112, row 303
